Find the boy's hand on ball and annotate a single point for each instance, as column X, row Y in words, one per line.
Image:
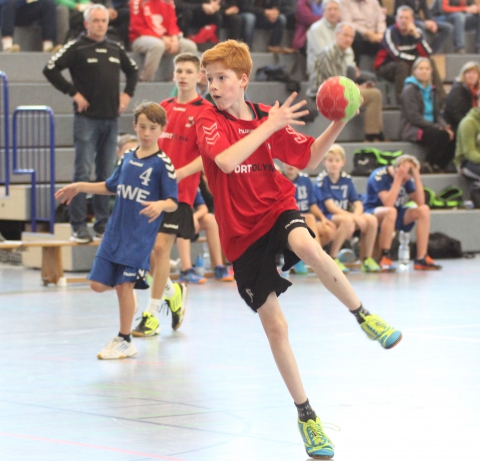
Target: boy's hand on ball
column 287, row 114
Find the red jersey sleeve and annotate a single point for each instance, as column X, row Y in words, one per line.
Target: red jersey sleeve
column 211, row 139
column 292, row 147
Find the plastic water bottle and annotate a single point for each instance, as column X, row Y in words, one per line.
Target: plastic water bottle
column 206, row 257
column 200, row 265
column 404, row 248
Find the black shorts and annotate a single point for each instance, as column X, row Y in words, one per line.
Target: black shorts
column 256, row 270
column 179, row 222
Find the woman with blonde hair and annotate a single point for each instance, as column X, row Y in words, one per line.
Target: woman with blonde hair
column 421, row 120
column 463, row 95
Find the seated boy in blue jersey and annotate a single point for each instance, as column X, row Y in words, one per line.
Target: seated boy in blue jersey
column 323, row 229
column 145, row 185
column 341, row 204
column 390, row 190
column 203, row 220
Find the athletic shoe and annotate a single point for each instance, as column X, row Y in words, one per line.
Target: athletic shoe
column 378, row 329
column 148, row 326
column 426, row 264
column 300, row 268
column 317, row 444
column 370, row 265
column 81, row 235
column 221, row 274
column 190, row 276
column 118, row 348
column 177, row 304
column 340, row 265
column 99, row 231
column 386, row 265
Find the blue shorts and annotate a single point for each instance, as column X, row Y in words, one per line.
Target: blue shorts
column 399, row 225
column 401, row 210
column 113, row 274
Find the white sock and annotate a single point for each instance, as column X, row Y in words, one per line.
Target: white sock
column 7, row 42
column 47, row 45
column 153, row 306
column 169, row 289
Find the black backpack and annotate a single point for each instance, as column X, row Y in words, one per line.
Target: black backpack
column 368, row 159
column 442, row 246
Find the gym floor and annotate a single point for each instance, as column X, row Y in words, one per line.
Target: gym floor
column 211, row 391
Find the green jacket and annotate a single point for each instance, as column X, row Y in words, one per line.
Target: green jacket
column 468, row 138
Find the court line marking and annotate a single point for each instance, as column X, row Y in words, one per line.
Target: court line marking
column 88, row 445
column 452, row 338
column 446, row 327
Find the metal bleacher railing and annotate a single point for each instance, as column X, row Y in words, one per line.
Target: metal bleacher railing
column 33, row 153
column 4, row 134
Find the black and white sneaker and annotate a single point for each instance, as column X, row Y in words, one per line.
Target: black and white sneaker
column 81, row 235
column 98, row 232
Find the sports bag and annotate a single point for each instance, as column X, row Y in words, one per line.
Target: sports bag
column 448, row 198
column 442, row 246
column 368, row 159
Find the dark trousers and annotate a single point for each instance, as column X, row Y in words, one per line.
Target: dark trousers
column 438, row 146
column 233, row 25
column 42, row 10
column 361, row 46
column 189, row 19
column 398, row 71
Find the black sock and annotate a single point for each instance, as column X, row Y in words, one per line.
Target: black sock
column 305, row 412
column 127, row 338
column 360, row 314
column 386, row 253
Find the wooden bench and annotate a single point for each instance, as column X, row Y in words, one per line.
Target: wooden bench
column 52, row 267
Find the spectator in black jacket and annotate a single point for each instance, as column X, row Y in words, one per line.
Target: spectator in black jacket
column 421, row 120
column 195, row 14
column 437, row 32
column 265, row 14
column 94, row 63
column 401, row 45
column 464, row 94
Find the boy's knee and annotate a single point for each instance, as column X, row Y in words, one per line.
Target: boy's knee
column 98, row 287
column 423, row 210
column 391, row 213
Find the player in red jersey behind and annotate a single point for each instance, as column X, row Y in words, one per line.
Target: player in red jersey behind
column 258, row 217
column 179, row 142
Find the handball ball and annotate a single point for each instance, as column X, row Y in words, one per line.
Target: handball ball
column 338, row 98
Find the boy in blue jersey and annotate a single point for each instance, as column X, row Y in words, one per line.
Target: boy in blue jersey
column 323, row 229
column 203, row 220
column 389, row 191
column 343, row 206
column 145, row 185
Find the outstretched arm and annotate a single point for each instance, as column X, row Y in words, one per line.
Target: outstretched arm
column 278, row 117
column 190, row 168
column 323, row 143
column 65, row 194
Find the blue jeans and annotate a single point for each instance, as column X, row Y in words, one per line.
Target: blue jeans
column 251, row 21
column 445, row 29
column 95, row 139
column 462, row 22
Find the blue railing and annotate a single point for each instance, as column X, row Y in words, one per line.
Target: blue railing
column 33, row 151
column 4, row 134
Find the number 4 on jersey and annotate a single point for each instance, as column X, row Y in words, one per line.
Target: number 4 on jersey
column 146, row 176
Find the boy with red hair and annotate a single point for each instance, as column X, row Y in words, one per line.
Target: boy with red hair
column 258, row 217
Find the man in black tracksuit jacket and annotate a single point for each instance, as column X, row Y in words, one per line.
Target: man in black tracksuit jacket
column 94, row 63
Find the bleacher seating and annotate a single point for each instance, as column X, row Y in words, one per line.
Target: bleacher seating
column 28, row 86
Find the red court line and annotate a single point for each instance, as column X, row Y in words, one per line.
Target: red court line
column 87, row 445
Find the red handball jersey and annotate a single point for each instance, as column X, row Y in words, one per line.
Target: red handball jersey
column 179, row 141
column 249, row 200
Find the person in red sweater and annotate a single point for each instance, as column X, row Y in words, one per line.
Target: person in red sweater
column 154, row 31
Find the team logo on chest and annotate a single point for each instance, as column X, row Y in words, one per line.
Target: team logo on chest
column 190, row 121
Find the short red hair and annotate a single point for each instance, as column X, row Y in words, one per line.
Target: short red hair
column 232, row 55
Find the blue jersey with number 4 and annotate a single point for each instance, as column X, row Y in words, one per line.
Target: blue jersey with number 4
column 129, row 237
